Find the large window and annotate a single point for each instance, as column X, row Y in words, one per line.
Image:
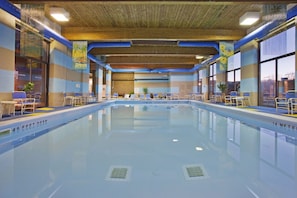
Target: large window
column 233, row 73
column 277, row 67
column 31, row 63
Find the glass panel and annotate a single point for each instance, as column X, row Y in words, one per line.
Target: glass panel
column 28, row 70
column 211, row 85
column 267, row 89
column 286, row 74
column 279, row 45
column 230, row 80
column 210, row 70
column 22, row 73
column 237, row 60
column 38, row 78
column 230, row 63
column 237, row 79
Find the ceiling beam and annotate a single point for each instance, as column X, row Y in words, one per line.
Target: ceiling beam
column 151, row 66
column 174, row 50
column 151, row 60
column 99, row 34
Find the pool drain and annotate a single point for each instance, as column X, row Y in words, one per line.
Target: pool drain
column 118, row 173
column 193, row 172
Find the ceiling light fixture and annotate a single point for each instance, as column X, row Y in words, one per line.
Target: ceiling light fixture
column 60, row 14
column 198, row 57
column 249, row 18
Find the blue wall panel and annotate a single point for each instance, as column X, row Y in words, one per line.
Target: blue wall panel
column 7, row 79
column 7, row 37
column 59, row 58
column 249, row 85
column 249, row 57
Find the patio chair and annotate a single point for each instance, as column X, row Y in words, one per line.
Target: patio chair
column 141, row 96
column 68, row 100
column 229, row 99
column 216, row 98
column 22, row 102
column 132, row 97
column 148, row 96
column 115, row 95
column 293, row 105
column 284, row 102
column 126, row 96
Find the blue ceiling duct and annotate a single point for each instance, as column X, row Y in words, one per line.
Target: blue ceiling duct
column 257, row 34
column 198, row 66
column 292, row 12
column 10, row 8
column 108, row 44
column 199, row 44
column 100, row 63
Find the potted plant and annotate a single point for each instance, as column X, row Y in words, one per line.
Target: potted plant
column 29, row 87
column 222, row 87
column 145, row 90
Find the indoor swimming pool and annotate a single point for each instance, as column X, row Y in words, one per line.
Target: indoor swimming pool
column 150, row 151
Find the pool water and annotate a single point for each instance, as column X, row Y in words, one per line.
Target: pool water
column 150, row 151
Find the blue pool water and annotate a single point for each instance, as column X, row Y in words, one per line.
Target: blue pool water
column 155, row 151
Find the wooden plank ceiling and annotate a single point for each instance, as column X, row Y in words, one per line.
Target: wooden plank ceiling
column 153, row 28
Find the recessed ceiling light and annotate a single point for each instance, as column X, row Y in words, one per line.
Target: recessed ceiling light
column 60, row 14
column 249, row 18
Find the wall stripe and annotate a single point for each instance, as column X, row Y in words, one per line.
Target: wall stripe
column 7, row 37
column 249, row 57
column 6, row 81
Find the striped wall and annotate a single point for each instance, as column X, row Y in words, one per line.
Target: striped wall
column 204, row 74
column 122, row 83
column 7, row 55
column 108, row 85
column 155, row 83
column 63, row 78
column 249, row 71
column 181, row 83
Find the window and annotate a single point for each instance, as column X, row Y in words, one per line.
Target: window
column 234, row 73
column 212, row 79
column 277, row 67
column 31, row 63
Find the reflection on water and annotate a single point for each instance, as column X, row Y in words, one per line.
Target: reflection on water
column 156, row 142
